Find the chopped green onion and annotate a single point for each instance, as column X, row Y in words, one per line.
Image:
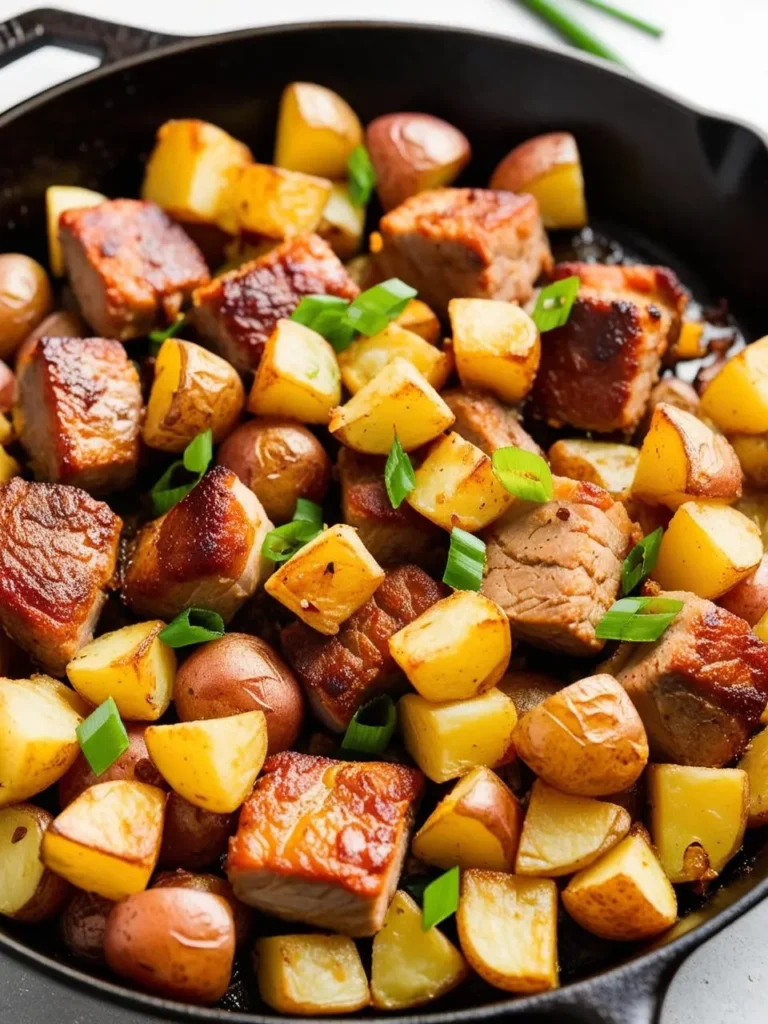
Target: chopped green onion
column 102, row 737
column 524, row 474
column 325, row 314
column 373, row 309
column 626, row 17
column 193, row 626
column 554, row 303
column 308, row 512
column 196, row 459
column 466, row 561
column 441, row 899
column 640, row 561
column 156, row 338
column 371, row 727
column 284, row 541
column 572, row 30
column 362, row 176
column 199, row 452
column 638, row 618
column 398, row 474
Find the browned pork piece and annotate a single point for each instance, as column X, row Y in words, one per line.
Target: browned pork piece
column 58, row 553
column 340, row 673
column 482, row 420
column 80, row 406
column 130, row 267
column 701, row 688
column 597, row 371
column 238, row 311
column 469, row 242
column 205, row 552
column 323, row 841
column 555, row 568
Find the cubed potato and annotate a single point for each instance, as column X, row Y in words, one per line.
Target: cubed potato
column 213, row 763
column 343, row 223
column 448, row 740
column 132, row 665
column 689, row 344
column 311, row 975
column 455, row 485
column 367, row 357
column 477, row 825
column 563, row 833
column 682, row 458
column 755, row 764
column 508, row 930
column 298, row 376
column 327, row 580
column 707, row 549
column 624, row 896
column 29, row 892
column 496, row 345
column 9, row 467
column 698, row 817
column 193, row 390
column 38, row 738
column 549, row 168
column 410, row 966
column 608, row 465
column 316, row 131
column 737, row 398
column 398, row 401
column 264, row 200
column 419, row 318
column 108, row 839
column 59, row 198
column 458, row 648
column 752, row 452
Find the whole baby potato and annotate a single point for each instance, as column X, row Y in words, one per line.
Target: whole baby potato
column 239, row 673
column 133, row 764
column 25, row 298
column 83, row 924
column 749, row 598
column 280, row 461
column 192, row 836
column 242, row 914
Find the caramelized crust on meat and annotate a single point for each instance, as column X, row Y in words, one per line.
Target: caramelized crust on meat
column 130, row 266
column 238, row 311
column 58, row 553
column 482, row 420
column 637, row 282
column 470, row 242
column 340, row 673
column 322, row 841
column 80, row 405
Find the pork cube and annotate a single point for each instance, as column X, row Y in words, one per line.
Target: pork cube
column 80, row 406
column 482, row 420
column 468, row 242
column 58, row 554
column 238, row 311
column 597, row 371
column 323, row 842
column 130, row 266
column 340, row 673
column 555, row 568
column 205, row 552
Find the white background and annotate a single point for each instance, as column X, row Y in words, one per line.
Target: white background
column 713, row 54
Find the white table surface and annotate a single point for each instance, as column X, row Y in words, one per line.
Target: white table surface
column 713, row 55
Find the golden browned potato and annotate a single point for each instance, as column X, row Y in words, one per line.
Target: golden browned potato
column 752, row 453
column 311, row 975
column 270, row 201
column 366, row 357
column 9, row 467
column 587, row 739
column 496, row 345
column 343, row 223
column 749, row 598
column 754, row 506
column 689, row 344
column 242, row 915
column 549, row 168
column 29, row 892
column 528, row 689
column 59, row 198
column 755, row 763
column 604, row 463
column 133, row 765
column 419, row 318
column 82, row 926
column 737, row 398
column 316, row 131
column 193, row 838
column 177, row 943
column 25, row 298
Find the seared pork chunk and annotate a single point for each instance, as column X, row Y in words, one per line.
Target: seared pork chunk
column 238, row 311
column 482, row 420
column 340, row 673
column 58, row 553
column 555, row 568
column 323, row 842
column 205, row 552
column 80, row 406
column 130, row 266
column 468, row 242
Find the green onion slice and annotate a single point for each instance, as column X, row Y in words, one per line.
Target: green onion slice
column 398, row 474
column 175, row 483
column 626, row 17
column 102, row 737
column 284, row 541
column 638, row 618
column 466, row 561
column 640, row 561
column 156, row 338
column 308, row 512
column 554, row 303
column 373, row 309
column 524, row 474
column 325, row 314
column 441, row 899
column 362, row 176
column 371, row 727
column 193, row 626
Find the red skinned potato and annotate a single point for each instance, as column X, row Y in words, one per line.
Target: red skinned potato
column 219, row 887
column 414, row 152
column 549, row 168
column 192, row 836
column 83, row 923
column 25, row 298
column 133, row 765
column 749, row 598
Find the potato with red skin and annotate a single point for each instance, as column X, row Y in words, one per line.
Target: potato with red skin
column 549, row 168
column 749, row 598
column 29, row 892
column 239, row 673
column 133, row 764
column 242, row 914
column 82, row 925
column 193, row 837
column 25, row 298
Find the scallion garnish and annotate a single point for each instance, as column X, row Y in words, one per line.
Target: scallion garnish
column 156, row 338
column 626, row 17
column 572, row 30
column 325, row 314
column 373, row 309
column 362, row 176
column 466, row 561
column 284, row 541
column 553, row 305
column 441, row 899
column 524, row 474
column 640, row 561
column 638, row 618
column 195, row 460
column 398, row 474
column 193, row 626
column 308, row 512
column 102, row 737
column 371, row 727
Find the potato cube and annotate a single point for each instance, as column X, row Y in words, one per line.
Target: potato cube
column 707, row 549
column 9, row 467
column 496, row 345
column 316, row 131
column 409, row 966
column 448, row 740
column 132, row 665
column 343, row 223
column 624, row 896
column 608, row 465
column 508, row 930
column 298, row 376
column 752, row 452
column 549, row 168
column 755, row 764
column 755, row 507
column 327, row 580
column 397, row 401
column 737, row 398
column 213, row 763
column 458, row 648
column 269, row 201
column 59, row 198
column 311, row 974
column 367, row 357
column 689, row 343
column 419, row 318
column 476, row 826
column 29, row 892
column 108, row 839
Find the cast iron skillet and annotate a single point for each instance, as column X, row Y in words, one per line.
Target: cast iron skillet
column 677, row 185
